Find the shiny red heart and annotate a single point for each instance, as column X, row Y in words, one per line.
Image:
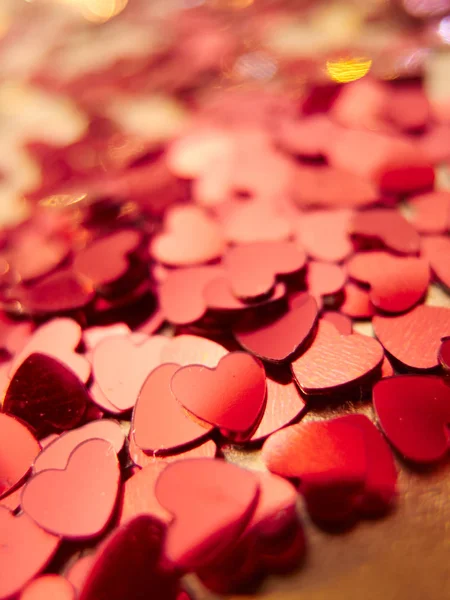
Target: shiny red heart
column 57, row 499
column 272, row 541
column 436, row 249
column 18, row 449
column 277, row 336
column 46, row 395
column 121, row 366
column 329, row 458
column 192, row 237
column 414, row 413
column 159, row 424
column 58, row 338
column 357, row 302
column 386, row 227
column 414, row 339
column 56, row 453
column 431, row 212
column 217, row 503
column 182, row 309
column 334, row 361
column 106, row 260
column 379, row 489
column 25, row 550
column 396, row 284
column 252, row 268
column 284, row 404
column 61, row 292
column 129, row 564
column 323, row 234
column 230, row 397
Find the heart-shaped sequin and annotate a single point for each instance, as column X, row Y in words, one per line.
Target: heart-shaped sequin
column 414, row 339
column 159, row 424
column 396, row 284
column 18, row 449
column 57, row 498
column 230, row 397
column 46, row 395
column 414, row 413
column 217, row 503
column 334, row 361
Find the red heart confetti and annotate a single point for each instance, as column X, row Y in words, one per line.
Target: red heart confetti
column 436, row 249
column 25, row 550
column 105, row 260
column 58, row 338
column 431, row 212
column 334, row 361
column 284, row 404
column 159, row 423
column 252, row 268
column 414, row 339
column 91, row 477
column 277, row 337
column 396, row 284
column 387, row 227
column 14, row 465
column 130, row 562
column 324, row 234
column 444, row 354
column 56, row 454
column 414, row 413
column 230, row 397
column 187, row 187
column 49, row 586
column 192, row 238
column 121, row 366
column 46, row 395
column 217, row 503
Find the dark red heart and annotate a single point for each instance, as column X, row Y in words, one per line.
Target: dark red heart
column 414, row 413
column 129, row 565
column 46, row 395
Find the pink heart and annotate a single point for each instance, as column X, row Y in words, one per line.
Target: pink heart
column 159, row 424
column 217, row 501
column 230, row 397
column 57, row 499
column 192, row 238
column 25, row 550
column 414, row 413
column 56, row 454
column 252, row 268
column 121, row 366
column 18, row 449
column 58, row 338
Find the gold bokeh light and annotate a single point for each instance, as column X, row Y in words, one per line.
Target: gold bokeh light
column 347, row 70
